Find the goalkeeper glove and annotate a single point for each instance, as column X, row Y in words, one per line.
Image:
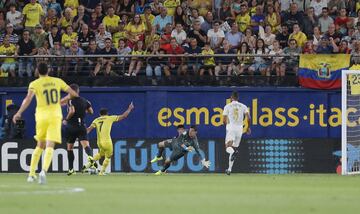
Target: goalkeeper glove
column 206, row 163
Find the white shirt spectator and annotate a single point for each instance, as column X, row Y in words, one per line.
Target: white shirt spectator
column 318, row 6
column 179, row 36
column 14, row 18
column 215, row 36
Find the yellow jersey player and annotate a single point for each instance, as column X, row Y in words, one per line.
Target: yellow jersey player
column 103, row 125
column 48, row 117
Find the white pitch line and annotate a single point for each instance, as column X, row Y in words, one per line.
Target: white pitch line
column 50, row 191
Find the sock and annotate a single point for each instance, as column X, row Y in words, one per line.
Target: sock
column 48, row 158
column 231, row 151
column 105, row 164
column 88, row 151
column 71, row 158
column 166, row 166
column 160, row 152
column 35, row 157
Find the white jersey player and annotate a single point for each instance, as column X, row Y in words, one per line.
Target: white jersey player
column 234, row 115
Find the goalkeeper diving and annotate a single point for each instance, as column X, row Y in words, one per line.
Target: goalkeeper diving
column 180, row 146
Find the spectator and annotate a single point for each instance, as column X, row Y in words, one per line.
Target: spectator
column 50, row 19
column 195, row 16
column 56, row 6
column 80, row 19
column 166, row 36
column 123, row 50
column 15, row 18
column 148, row 19
column 111, row 21
column 106, row 62
column 8, row 64
column 293, row 17
column 54, row 36
column 277, row 62
column 335, row 6
column 268, row 37
column 140, row 7
column 249, row 38
column 325, row 20
column 333, row 33
column 208, row 61
column 13, row 38
column 73, row 65
column 243, row 19
column 66, row 20
column 236, row 8
column 69, row 37
column 283, row 37
column 309, row 48
column 192, row 62
column 273, row 19
column 357, row 18
column 94, row 22
column 26, row 47
column 135, row 30
column 90, row 5
column 39, row 36
column 261, row 65
column 85, row 36
column 215, row 36
column 179, row 16
column 208, row 22
column 258, row 19
column 244, row 61
column 162, row 20
column 154, row 64
column 225, row 13
column 234, row 36
column 326, row 47
column 310, row 21
column 342, row 21
column 225, row 64
column 170, row 5
column 318, row 5
column 292, row 62
column 344, row 47
column 99, row 13
column 156, row 6
column 198, row 34
column 126, row 7
column 136, row 62
column 101, row 36
column 174, row 63
column 299, row 36
column 179, row 34
column 57, row 64
column 33, row 13
column 316, row 36
column 73, row 5
column 91, row 62
column 42, row 51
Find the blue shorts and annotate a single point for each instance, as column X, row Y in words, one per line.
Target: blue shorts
column 258, row 66
column 8, row 66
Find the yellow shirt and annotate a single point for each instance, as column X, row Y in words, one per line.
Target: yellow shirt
column 243, row 21
column 66, row 39
column 111, row 22
column 8, row 51
column 171, row 5
column 357, row 6
column 64, row 23
column 300, row 38
column 116, row 36
column 139, row 52
column 48, row 95
column 151, row 18
column 73, row 4
column 33, row 14
column 103, row 127
column 209, row 60
column 133, row 29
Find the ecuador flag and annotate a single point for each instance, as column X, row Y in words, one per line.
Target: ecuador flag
column 322, row 71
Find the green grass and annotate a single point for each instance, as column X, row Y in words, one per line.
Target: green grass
column 182, row 193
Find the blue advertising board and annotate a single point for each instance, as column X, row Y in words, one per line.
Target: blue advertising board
column 275, row 112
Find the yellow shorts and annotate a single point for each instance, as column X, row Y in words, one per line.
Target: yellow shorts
column 48, row 129
column 106, row 149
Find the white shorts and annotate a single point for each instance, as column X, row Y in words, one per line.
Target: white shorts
column 234, row 136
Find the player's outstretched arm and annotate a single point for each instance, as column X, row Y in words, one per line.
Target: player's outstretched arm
column 89, row 129
column 71, row 94
column 126, row 113
column 25, row 104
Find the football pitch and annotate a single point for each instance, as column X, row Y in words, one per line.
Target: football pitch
column 181, row 193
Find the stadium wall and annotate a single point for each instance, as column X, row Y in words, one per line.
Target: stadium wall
column 276, row 112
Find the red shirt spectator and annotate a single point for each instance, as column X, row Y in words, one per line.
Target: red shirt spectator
column 174, row 48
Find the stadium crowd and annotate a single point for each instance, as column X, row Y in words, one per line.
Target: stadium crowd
column 134, row 28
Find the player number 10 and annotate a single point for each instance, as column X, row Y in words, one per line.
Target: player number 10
column 51, row 96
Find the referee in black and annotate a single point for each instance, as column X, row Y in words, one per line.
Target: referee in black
column 75, row 127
